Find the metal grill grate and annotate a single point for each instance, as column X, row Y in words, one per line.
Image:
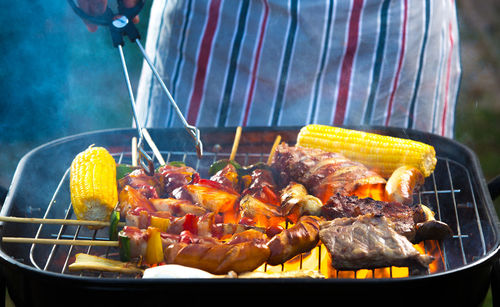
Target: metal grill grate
column 449, row 192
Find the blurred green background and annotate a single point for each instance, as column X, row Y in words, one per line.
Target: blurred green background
column 53, row 71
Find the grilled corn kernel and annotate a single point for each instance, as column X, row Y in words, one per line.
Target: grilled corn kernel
column 383, row 154
column 93, row 184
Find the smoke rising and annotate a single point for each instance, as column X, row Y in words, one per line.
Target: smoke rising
column 56, row 78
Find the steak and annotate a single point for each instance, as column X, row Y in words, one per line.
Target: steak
column 368, row 242
column 403, row 217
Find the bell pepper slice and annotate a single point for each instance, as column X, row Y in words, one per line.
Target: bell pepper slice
column 124, row 242
column 159, row 222
column 154, row 249
column 113, row 225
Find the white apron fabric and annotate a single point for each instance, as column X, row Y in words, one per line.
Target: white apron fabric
column 295, row 62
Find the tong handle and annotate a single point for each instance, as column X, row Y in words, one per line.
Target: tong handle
column 192, row 130
column 118, row 27
column 108, row 16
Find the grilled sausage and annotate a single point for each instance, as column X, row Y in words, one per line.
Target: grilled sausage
column 402, row 183
column 245, row 252
column 300, row 238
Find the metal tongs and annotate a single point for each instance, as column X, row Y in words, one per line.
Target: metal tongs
column 120, row 25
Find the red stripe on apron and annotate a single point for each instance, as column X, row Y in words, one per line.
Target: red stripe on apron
column 256, row 63
column 447, row 87
column 202, row 63
column 345, row 75
column 400, row 63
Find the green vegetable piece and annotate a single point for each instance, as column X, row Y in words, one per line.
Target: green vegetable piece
column 124, row 247
column 113, row 225
column 220, row 164
column 177, row 163
column 123, row 170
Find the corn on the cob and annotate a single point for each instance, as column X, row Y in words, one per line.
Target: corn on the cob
column 93, row 184
column 383, row 154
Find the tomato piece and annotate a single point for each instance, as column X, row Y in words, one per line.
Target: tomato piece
column 191, row 223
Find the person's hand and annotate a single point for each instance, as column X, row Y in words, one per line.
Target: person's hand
column 98, row 7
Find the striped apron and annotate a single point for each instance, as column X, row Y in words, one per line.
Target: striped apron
column 295, row 62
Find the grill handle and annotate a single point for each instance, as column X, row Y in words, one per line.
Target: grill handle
column 494, row 187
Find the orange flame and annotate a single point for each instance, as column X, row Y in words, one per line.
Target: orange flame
column 319, row 258
column 374, row 191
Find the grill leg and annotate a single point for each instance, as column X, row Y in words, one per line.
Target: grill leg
column 495, row 283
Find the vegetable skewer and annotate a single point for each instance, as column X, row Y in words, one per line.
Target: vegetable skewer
column 273, row 149
column 60, row 241
column 32, row 220
column 236, row 142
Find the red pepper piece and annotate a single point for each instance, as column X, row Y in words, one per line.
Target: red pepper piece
column 191, row 223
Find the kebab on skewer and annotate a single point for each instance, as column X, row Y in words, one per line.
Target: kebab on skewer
column 232, row 182
column 159, row 189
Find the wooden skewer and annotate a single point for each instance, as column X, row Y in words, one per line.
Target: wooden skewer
column 60, row 241
column 236, row 142
column 134, row 151
column 33, row 220
column 273, row 149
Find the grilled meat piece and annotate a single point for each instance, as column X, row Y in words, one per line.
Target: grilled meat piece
column 416, row 223
column 260, row 203
column 177, row 207
column 367, row 242
column 259, row 212
column 172, row 177
column 149, row 186
column 130, row 199
column 323, row 173
column 208, row 194
column 263, row 187
column 228, row 177
column 294, row 203
column 402, row 216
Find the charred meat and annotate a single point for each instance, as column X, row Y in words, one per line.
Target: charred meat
column 402, row 216
column 367, row 242
column 413, row 222
column 323, row 173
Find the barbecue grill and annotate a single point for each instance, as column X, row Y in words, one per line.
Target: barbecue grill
column 37, row 274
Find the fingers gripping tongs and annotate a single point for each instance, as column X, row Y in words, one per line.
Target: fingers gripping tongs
column 120, row 25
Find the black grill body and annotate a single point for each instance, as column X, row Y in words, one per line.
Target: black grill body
column 457, row 192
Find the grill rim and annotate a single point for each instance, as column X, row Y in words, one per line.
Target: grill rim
column 95, row 282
